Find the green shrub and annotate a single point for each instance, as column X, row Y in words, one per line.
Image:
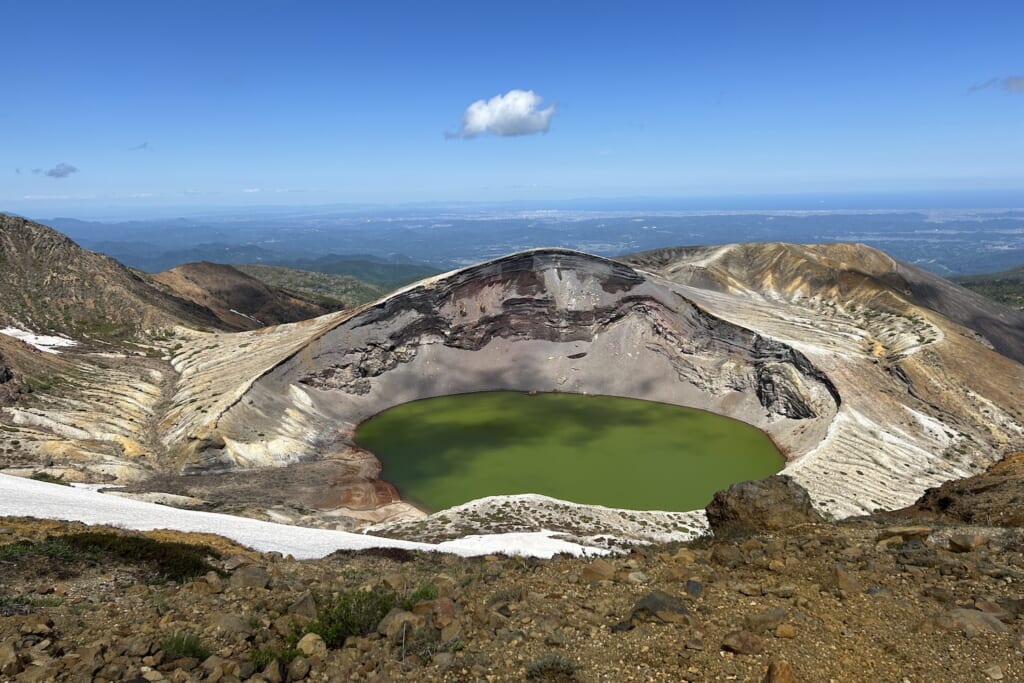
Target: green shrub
column 262, row 657
column 184, row 645
column 426, row 591
column 353, row 613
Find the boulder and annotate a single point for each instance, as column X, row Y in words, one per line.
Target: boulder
column 312, row 645
column 970, row 622
column 771, row 504
column 250, row 577
column 657, row 607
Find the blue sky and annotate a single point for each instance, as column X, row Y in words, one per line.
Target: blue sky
column 233, row 104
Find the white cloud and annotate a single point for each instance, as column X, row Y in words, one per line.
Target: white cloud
column 251, row 190
column 517, row 112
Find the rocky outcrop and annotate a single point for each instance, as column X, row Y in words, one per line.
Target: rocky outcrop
column 771, row 504
column 10, row 387
column 995, row 497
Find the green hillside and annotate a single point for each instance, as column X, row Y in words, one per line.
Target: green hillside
column 344, row 288
column 1006, row 286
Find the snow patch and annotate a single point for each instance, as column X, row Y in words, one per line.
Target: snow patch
column 44, row 342
column 26, row 497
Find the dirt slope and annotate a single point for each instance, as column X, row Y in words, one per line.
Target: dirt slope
column 240, row 301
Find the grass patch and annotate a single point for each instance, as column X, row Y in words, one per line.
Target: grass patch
column 182, row 645
column 551, row 667
column 175, row 561
column 49, row 478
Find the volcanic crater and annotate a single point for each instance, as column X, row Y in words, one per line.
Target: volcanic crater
column 871, row 395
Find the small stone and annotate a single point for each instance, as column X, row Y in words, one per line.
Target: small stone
column 727, row 555
column 994, row 672
column 685, row 556
column 214, row 581
column 694, row 588
column 396, row 582
column 966, row 543
column 235, row 562
column 846, row 583
column 298, row 669
column 598, row 570
column 451, row 632
column 779, row 671
column 743, row 643
column 6, row 531
column 905, row 533
column 660, row 607
column 250, row 577
column 398, row 624
column 637, row 578
column 37, row 625
column 274, row 672
column 785, row 591
column 787, row 631
column 312, row 645
column 10, row 664
column 304, row 606
column 234, row 625
column 766, row 621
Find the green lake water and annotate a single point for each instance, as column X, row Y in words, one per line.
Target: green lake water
column 602, row 450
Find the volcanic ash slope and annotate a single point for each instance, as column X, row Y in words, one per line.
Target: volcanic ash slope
column 871, row 397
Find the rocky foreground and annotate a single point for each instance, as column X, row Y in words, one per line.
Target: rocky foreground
column 779, row 595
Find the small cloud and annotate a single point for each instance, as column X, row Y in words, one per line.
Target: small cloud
column 18, row 171
column 37, row 171
column 517, row 112
column 983, row 85
column 251, row 190
column 1011, row 84
column 140, row 147
column 61, row 170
